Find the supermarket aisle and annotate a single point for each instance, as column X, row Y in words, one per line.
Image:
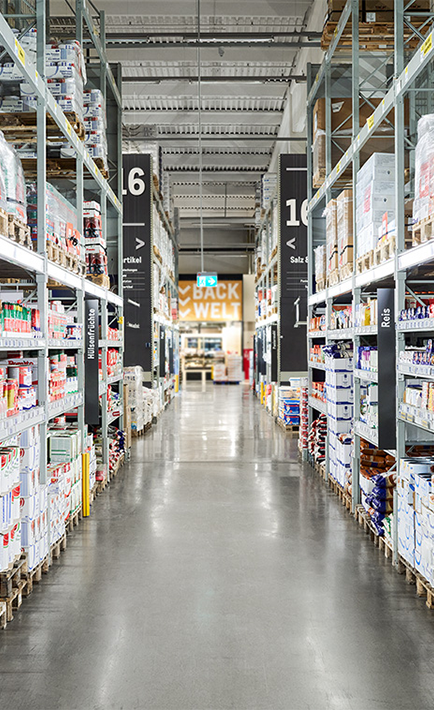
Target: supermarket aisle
column 219, row 573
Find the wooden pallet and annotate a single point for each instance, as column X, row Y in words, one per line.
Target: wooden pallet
column 136, row 433
column 365, row 262
column 4, row 223
column 101, row 485
column 3, row 620
column 346, row 271
column 384, row 251
column 17, row 230
column 58, row 547
column 10, row 578
column 292, row 429
column 14, row 600
column 100, row 164
column 333, row 278
column 74, row 519
column 100, row 280
column 22, row 126
column 74, row 264
column 119, row 464
column 423, row 231
column 373, row 36
column 412, row 576
column 34, row 576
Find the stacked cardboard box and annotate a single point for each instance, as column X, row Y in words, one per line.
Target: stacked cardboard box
column 340, row 396
column 375, row 200
column 320, row 267
column 331, row 241
column 344, row 228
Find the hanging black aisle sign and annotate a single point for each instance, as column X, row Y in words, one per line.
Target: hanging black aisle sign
column 91, row 333
column 293, row 261
column 162, row 352
column 386, row 369
column 137, row 261
column 274, row 353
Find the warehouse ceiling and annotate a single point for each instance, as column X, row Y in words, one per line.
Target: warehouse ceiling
column 248, row 59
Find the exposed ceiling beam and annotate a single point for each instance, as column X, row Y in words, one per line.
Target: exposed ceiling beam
column 220, row 79
column 223, row 137
column 216, row 36
column 127, row 43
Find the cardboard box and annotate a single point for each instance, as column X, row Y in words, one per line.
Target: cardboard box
column 331, row 236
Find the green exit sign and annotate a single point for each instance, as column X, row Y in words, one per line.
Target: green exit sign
column 206, row 280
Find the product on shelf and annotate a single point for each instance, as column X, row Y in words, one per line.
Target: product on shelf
column 317, row 439
column 344, row 228
column 316, row 354
column 317, row 323
column 10, row 526
column 339, row 396
column 331, row 242
column 366, row 313
column 318, row 391
column 375, row 201
column 61, row 224
column 17, row 319
column 289, row 405
column 95, row 244
column 234, row 368
column 268, row 189
column 18, row 385
column 304, row 416
column 96, row 126
column 369, row 404
column 367, row 358
column 423, row 205
column 13, row 189
column 33, row 501
column 63, row 376
column 320, row 267
column 341, row 317
column 377, row 482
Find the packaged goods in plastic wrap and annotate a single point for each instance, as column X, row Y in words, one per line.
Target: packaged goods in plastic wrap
column 95, row 124
column 95, row 245
column 344, row 228
column 317, row 439
column 331, row 236
column 234, row 368
column 288, row 405
column 14, row 190
column 133, row 378
column 423, row 205
column 219, row 372
column 320, row 264
column 375, row 200
column 61, row 223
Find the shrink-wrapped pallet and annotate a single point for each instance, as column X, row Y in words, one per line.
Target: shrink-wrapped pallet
column 344, row 222
column 423, row 205
column 320, row 265
column 331, row 237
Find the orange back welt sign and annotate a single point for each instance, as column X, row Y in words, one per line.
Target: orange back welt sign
column 219, row 303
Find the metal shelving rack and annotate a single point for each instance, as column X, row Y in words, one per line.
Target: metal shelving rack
column 265, row 281
column 161, row 381
column 38, row 276
column 404, row 75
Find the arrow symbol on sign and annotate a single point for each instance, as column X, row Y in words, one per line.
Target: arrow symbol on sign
column 183, row 301
column 291, row 243
column 139, row 243
column 183, row 289
column 184, row 313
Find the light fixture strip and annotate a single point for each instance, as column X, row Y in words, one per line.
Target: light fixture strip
column 199, row 98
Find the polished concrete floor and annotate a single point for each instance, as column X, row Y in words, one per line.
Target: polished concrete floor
column 217, row 572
